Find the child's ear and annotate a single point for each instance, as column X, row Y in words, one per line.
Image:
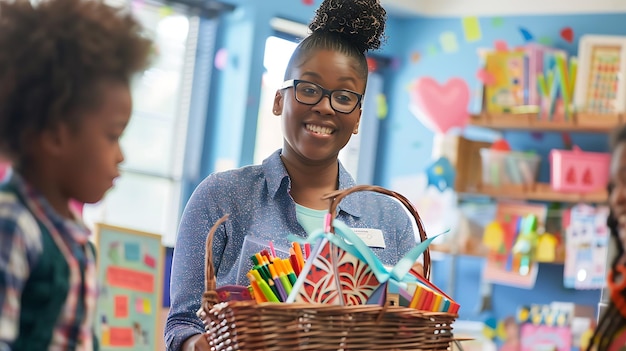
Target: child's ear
column 53, row 140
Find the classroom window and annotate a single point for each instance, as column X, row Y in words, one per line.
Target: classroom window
column 147, row 195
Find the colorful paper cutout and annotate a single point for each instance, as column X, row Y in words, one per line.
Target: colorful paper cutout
column 440, row 107
column 121, row 306
column 471, row 29
column 132, row 251
column 121, row 337
column 143, row 306
column 526, row 34
column 567, row 34
column 147, row 307
column 221, row 59
column 432, row 50
column 415, row 57
column 497, row 22
column 501, row 45
column 448, row 42
column 149, row 261
column 382, row 108
column 130, row 279
column 545, row 41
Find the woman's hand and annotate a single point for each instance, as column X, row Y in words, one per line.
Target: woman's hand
column 197, row 342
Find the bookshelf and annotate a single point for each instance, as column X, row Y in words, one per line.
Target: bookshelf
column 538, row 192
column 581, row 123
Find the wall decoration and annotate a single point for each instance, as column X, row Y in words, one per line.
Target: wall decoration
column 471, row 29
column 526, row 34
column 415, row 57
column 501, row 45
column 547, row 41
column 497, row 22
column 440, row 107
column 432, row 50
column 382, row 109
column 221, row 59
column 372, row 64
column 130, row 264
column 448, row 42
column 567, row 34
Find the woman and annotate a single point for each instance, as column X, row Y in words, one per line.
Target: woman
column 610, row 334
column 320, row 106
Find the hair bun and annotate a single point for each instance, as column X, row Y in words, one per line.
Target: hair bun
column 362, row 22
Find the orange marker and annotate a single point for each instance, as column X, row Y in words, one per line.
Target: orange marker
column 298, row 250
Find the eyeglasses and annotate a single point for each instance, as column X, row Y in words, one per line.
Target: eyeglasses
column 308, row 93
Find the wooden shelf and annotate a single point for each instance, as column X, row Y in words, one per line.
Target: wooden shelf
column 439, row 255
column 583, row 123
column 539, row 192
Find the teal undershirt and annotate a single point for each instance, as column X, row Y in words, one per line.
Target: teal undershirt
column 310, row 219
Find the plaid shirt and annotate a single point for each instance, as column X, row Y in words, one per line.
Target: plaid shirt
column 20, row 249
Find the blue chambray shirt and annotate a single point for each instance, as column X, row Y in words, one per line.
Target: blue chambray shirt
column 260, row 207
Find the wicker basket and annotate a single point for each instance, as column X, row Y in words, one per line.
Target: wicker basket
column 247, row 325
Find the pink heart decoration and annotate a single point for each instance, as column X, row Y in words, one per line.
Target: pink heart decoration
column 441, row 107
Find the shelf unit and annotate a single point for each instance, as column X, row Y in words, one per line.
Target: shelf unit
column 538, row 192
column 581, row 123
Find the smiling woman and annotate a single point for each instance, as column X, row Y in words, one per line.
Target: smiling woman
column 319, row 105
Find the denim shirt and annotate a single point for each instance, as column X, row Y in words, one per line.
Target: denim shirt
column 260, row 207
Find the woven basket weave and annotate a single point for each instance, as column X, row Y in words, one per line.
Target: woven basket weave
column 251, row 326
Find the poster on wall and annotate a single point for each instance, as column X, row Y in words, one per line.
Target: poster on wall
column 130, row 271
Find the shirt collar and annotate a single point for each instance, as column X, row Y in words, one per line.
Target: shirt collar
column 38, row 203
column 278, row 180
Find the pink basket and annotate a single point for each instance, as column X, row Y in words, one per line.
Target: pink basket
column 579, row 171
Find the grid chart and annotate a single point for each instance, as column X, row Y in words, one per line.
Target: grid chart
column 603, row 80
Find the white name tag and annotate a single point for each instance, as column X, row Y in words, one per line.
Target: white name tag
column 371, row 237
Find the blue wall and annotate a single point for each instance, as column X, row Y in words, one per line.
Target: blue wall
column 407, row 138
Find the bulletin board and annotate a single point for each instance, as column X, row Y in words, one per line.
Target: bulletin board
column 130, row 273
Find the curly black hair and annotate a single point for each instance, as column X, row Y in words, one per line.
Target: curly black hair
column 612, row 321
column 53, row 55
column 351, row 27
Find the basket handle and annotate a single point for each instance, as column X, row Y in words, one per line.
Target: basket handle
column 338, row 195
column 209, row 297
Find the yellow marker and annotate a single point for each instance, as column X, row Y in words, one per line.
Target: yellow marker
column 437, row 303
column 416, row 297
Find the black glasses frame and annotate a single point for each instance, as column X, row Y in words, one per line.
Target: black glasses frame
column 325, row 92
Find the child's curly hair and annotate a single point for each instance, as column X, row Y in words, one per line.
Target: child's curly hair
column 53, row 55
column 351, row 27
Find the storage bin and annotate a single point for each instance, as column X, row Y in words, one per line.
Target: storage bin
column 579, row 171
column 501, row 168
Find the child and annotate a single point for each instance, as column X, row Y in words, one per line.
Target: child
column 610, row 333
column 65, row 68
column 320, row 107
